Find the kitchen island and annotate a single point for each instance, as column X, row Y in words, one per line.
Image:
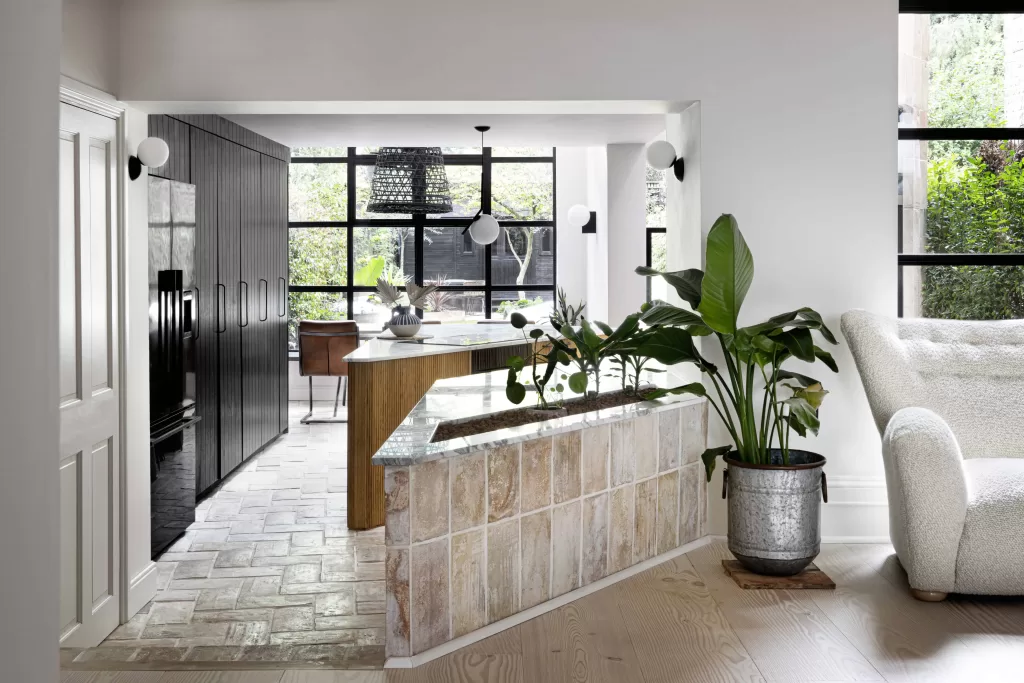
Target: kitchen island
column 487, row 529
column 386, row 379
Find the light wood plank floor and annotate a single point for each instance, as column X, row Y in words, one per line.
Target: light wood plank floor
column 686, row 621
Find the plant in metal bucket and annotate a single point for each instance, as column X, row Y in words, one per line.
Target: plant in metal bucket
column 758, row 401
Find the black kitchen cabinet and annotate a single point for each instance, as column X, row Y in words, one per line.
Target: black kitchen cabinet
column 241, row 261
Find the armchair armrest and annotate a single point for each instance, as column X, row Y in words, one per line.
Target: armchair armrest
column 927, row 496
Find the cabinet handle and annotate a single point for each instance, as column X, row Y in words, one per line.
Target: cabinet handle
column 222, row 304
column 241, row 306
column 266, row 299
column 284, row 298
column 195, row 314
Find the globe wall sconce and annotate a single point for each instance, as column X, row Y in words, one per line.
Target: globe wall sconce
column 661, row 155
column 152, row 153
column 483, row 229
column 582, row 217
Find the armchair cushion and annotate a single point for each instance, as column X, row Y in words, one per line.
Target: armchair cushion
column 991, row 556
column 927, row 496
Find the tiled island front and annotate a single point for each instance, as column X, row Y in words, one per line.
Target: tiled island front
column 481, row 528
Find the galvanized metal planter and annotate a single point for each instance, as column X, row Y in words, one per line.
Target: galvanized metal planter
column 775, row 511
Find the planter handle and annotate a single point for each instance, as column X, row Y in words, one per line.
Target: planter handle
column 725, row 482
column 824, row 488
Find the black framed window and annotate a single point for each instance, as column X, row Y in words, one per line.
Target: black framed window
column 960, row 190
column 337, row 250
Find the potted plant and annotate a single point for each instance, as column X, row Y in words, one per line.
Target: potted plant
column 563, row 314
column 404, row 322
column 774, row 491
column 515, row 389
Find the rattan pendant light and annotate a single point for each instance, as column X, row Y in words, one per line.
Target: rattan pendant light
column 409, row 180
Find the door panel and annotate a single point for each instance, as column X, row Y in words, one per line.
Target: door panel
column 275, row 202
column 100, row 238
column 70, row 612
column 89, row 411
column 233, row 296
column 252, row 389
column 70, row 348
column 204, row 176
column 103, row 541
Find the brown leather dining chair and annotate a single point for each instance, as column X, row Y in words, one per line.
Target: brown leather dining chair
column 322, row 346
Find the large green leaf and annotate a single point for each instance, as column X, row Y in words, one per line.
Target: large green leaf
column 798, row 342
column 670, row 345
column 515, row 393
column 661, row 313
column 687, row 283
column 812, row 315
column 804, row 380
column 695, row 388
column 578, row 382
column 813, row 394
column 776, row 322
column 625, row 330
column 368, row 274
column 802, row 411
column 826, row 358
column 591, row 339
column 710, row 456
column 779, row 322
column 730, row 270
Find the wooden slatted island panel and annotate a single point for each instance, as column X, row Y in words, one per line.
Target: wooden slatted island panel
column 388, row 378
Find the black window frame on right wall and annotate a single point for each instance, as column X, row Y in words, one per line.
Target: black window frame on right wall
column 962, row 264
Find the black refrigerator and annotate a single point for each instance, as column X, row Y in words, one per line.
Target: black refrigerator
column 173, row 331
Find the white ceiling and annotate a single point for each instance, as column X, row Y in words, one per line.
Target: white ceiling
column 446, row 130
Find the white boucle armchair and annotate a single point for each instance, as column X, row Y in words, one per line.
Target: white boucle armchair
column 948, row 399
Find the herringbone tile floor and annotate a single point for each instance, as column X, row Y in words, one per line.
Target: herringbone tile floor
column 269, row 572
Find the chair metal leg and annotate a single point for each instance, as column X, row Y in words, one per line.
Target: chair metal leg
column 305, row 419
column 344, row 397
column 308, row 418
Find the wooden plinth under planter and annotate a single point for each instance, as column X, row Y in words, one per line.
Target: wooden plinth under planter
column 810, row 578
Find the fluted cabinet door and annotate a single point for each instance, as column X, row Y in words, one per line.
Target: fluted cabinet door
column 252, row 276
column 281, row 259
column 204, row 176
column 233, row 295
column 275, row 195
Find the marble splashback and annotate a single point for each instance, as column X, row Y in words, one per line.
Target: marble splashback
column 461, row 398
column 477, row 537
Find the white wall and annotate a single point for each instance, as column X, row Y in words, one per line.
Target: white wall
column 89, row 48
column 775, row 81
column 571, row 189
column 627, row 230
column 29, row 78
column 139, row 570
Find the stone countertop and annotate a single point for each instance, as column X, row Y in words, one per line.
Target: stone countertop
column 460, row 398
column 450, row 338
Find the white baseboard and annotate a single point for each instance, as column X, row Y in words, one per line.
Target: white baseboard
column 857, row 511
column 142, row 589
column 536, row 611
column 856, row 539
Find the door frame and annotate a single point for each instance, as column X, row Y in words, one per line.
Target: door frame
column 85, row 97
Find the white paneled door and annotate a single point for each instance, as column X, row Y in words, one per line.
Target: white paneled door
column 88, row 366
